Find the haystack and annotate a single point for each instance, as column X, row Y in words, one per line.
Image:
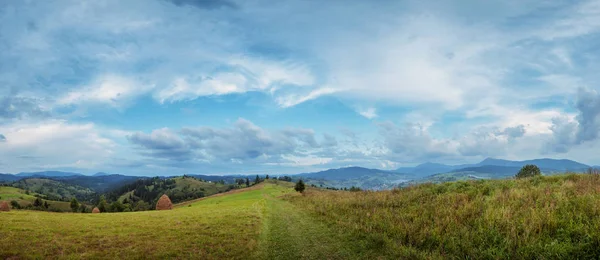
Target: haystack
column 95, row 210
column 4, row 206
column 164, row 203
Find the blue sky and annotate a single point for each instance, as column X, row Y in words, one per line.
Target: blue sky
column 166, row 87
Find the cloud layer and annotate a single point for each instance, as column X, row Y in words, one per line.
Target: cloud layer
column 295, row 85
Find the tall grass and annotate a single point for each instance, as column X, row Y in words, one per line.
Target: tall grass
column 541, row 217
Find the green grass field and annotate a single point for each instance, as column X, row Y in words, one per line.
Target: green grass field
column 12, row 193
column 541, row 217
column 227, row 226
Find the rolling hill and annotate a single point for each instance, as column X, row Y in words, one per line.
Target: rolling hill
column 353, row 176
column 25, row 198
column 476, row 219
column 55, row 190
column 143, row 193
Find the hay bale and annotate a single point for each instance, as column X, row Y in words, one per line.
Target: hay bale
column 164, row 203
column 95, row 210
column 4, row 206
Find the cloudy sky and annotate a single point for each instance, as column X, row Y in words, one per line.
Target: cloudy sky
column 165, row 87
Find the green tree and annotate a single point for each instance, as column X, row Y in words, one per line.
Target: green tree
column 267, row 177
column 257, row 180
column 529, row 170
column 82, row 208
column 15, row 204
column 247, row 182
column 74, row 204
column 46, row 205
column 102, row 205
column 117, row 207
column 300, row 186
column 37, row 203
column 141, row 206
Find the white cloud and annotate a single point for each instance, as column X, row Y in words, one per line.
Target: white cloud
column 582, row 19
column 182, row 89
column 295, row 99
column 110, row 89
column 53, row 143
column 369, row 112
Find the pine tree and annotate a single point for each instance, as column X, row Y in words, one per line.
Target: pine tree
column 529, row 170
column 37, row 203
column 300, row 186
column 74, row 205
column 247, row 182
column 102, row 205
column 267, row 177
column 257, row 180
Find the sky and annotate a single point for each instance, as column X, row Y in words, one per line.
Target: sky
column 166, row 87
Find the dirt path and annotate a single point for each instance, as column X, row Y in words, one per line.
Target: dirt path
column 289, row 233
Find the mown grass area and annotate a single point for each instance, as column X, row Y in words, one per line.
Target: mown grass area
column 535, row 218
column 223, row 227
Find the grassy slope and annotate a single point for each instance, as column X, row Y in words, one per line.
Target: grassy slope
column 188, row 184
column 545, row 217
column 53, row 188
column 12, row 193
column 542, row 217
column 219, row 227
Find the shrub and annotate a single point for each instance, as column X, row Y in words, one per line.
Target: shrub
column 15, row 204
column 529, row 170
column 300, row 186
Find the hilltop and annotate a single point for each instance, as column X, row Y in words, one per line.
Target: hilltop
column 26, row 199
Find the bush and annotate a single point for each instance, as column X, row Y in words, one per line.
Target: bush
column 15, row 204
column 300, row 186
column 529, row 170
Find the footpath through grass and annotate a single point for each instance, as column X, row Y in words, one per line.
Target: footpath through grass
column 254, row 223
column 535, row 218
column 290, row 233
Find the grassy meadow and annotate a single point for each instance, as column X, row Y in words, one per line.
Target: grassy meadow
column 24, row 199
column 545, row 217
column 541, row 217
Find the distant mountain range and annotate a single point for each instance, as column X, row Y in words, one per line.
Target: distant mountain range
column 342, row 173
column 48, row 174
column 554, row 165
column 490, row 168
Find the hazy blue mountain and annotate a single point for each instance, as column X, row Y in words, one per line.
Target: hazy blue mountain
column 100, row 174
column 8, row 177
column 544, row 163
column 343, row 173
column 492, row 169
column 427, row 169
column 553, row 165
column 364, row 178
column 48, row 174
